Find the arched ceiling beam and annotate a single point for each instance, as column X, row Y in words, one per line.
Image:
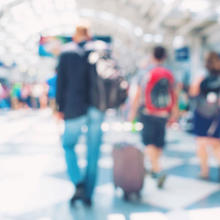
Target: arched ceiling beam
column 169, row 7
column 196, row 22
column 11, row 4
column 144, row 9
column 211, row 29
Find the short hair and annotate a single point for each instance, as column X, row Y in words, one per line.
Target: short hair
column 82, row 29
column 159, row 53
column 213, row 62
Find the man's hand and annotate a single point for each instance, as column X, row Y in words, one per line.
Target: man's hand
column 134, row 105
column 59, row 116
column 174, row 118
column 131, row 116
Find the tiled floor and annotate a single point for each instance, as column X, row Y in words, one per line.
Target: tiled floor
column 34, row 184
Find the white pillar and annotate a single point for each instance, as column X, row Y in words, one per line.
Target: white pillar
column 197, row 58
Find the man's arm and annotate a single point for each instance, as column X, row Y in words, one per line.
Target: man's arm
column 135, row 104
column 195, row 87
column 61, row 83
column 175, row 110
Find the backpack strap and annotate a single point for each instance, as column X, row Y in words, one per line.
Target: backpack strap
column 213, row 127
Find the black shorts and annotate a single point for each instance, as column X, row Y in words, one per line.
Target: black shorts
column 154, row 130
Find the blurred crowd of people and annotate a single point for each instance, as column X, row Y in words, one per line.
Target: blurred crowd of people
column 20, row 95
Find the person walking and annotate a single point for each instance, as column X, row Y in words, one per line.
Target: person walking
column 207, row 113
column 72, row 97
column 156, row 84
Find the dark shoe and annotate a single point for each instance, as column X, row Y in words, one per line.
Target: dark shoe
column 87, row 202
column 79, row 193
column 154, row 175
column 161, row 180
column 204, row 177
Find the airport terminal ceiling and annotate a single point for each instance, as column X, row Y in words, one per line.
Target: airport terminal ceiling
column 134, row 24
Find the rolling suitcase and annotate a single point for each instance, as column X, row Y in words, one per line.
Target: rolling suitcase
column 128, row 171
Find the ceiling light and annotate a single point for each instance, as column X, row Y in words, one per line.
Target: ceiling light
column 178, row 42
column 195, row 6
column 168, row 1
column 158, row 38
column 138, row 31
column 148, row 38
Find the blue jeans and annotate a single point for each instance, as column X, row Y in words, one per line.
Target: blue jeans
column 72, row 132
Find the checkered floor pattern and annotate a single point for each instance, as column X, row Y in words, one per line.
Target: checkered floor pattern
column 34, row 184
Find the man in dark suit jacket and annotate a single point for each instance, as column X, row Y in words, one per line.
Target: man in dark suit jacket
column 72, row 98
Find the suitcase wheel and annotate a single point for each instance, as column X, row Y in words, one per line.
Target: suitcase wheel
column 135, row 196
column 138, row 195
column 126, row 196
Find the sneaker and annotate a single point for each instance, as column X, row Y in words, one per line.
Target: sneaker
column 154, row 175
column 205, row 178
column 87, row 202
column 79, row 193
column 161, row 180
